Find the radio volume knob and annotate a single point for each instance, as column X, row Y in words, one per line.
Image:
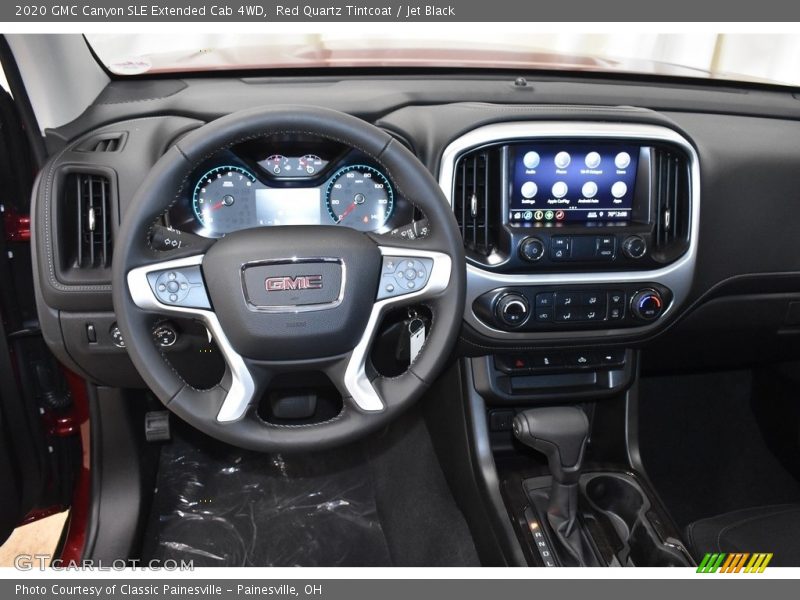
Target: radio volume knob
column 512, row 309
column 531, row 249
column 647, row 305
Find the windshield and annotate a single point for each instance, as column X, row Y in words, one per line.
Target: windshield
column 742, row 57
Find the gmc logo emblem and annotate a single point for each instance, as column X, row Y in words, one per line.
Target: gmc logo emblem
column 301, row 282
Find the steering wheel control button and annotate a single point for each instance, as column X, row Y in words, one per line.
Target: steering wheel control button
column 165, row 335
column 634, row 247
column 647, row 304
column 531, row 249
column 403, row 275
column 182, row 287
column 513, row 310
column 116, row 336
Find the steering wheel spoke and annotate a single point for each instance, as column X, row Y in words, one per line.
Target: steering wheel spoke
column 176, row 287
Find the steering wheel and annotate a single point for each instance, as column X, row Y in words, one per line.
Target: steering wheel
column 348, row 279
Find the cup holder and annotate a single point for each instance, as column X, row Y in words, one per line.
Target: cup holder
column 620, row 499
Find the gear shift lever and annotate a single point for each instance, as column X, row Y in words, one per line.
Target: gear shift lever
column 560, row 433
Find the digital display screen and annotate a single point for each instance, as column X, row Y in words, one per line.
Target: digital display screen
column 288, row 206
column 571, row 182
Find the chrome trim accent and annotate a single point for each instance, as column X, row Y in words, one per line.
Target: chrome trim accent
column 355, row 376
column 295, row 308
column 242, row 385
column 677, row 276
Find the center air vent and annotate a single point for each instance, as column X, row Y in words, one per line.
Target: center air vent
column 476, row 199
column 85, row 226
column 672, row 189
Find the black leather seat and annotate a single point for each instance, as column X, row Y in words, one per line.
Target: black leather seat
column 773, row 529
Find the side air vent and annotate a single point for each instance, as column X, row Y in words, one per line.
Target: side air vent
column 85, row 236
column 104, row 142
column 672, row 188
column 476, row 199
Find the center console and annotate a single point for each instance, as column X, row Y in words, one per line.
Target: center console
column 573, row 228
column 581, row 240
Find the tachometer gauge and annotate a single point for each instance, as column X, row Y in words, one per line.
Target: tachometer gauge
column 223, row 200
column 360, row 197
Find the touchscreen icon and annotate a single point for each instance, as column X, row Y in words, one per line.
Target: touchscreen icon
column 560, row 189
column 562, row 160
column 592, row 160
column 531, row 160
column 589, row 189
column 619, row 189
column 538, row 215
column 548, row 216
column 622, row 160
column 560, row 215
column 529, row 189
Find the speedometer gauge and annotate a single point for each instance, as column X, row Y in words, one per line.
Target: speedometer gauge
column 360, row 197
column 223, row 200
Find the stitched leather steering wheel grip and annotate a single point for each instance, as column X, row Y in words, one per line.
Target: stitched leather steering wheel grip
column 204, row 409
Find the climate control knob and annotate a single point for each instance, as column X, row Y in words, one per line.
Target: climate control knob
column 531, row 249
column 647, row 304
column 512, row 309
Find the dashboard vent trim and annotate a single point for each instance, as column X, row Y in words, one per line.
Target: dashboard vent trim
column 672, row 188
column 476, row 175
column 88, row 206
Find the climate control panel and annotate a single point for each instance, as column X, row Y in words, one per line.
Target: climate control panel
column 555, row 308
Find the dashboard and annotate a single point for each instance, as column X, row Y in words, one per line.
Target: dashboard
column 279, row 181
column 668, row 227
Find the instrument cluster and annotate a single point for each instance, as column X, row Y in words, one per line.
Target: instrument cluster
column 280, row 181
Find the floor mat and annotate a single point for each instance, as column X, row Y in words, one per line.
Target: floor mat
column 702, row 447
column 379, row 503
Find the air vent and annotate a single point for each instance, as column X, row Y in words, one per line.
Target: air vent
column 104, row 142
column 672, row 190
column 86, row 223
column 476, row 199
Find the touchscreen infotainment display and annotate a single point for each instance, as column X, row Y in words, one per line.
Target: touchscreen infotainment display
column 556, row 182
